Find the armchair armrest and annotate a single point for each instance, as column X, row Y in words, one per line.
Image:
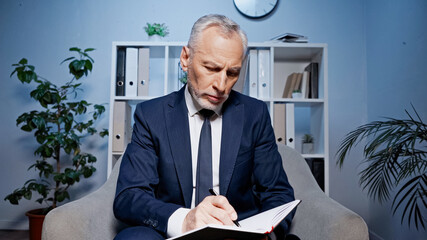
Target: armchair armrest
column 324, row 218
column 318, row 216
column 90, row 217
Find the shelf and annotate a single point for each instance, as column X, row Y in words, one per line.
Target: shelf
column 296, row 118
column 298, row 102
column 315, row 155
column 302, row 102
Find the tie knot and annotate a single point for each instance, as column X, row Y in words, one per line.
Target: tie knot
column 206, row 113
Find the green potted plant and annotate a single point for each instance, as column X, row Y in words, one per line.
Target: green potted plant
column 307, row 144
column 395, row 154
column 59, row 126
column 156, row 30
column 297, row 94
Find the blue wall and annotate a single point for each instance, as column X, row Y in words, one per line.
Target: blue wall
column 396, row 52
column 42, row 31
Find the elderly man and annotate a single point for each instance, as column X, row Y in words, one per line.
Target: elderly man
column 204, row 136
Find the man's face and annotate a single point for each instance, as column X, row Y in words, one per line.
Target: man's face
column 213, row 67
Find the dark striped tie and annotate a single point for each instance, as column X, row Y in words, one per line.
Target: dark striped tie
column 204, row 159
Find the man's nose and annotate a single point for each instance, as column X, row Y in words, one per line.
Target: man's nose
column 220, row 81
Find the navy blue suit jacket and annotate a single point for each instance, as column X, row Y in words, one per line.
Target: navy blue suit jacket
column 156, row 171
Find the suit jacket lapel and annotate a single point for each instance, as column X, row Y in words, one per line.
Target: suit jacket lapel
column 232, row 128
column 176, row 116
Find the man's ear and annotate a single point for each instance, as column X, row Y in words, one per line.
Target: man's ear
column 185, row 58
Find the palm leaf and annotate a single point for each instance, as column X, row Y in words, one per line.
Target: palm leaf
column 394, row 153
column 413, row 193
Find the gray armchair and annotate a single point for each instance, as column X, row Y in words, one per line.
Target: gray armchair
column 318, row 216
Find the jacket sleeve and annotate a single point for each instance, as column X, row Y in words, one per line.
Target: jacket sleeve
column 135, row 202
column 271, row 183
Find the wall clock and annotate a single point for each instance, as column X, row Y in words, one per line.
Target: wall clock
column 255, row 8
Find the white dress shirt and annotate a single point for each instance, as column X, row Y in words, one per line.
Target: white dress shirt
column 195, row 121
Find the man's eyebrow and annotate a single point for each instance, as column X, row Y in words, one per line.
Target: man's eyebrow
column 215, row 65
column 234, row 69
column 210, row 63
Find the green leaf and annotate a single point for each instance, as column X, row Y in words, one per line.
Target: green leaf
column 78, row 64
column 75, row 49
column 88, row 65
column 13, row 199
column 42, row 189
column 60, row 196
column 91, row 130
column 81, row 108
column 89, row 49
column 14, row 71
column 103, row 133
column 40, row 138
column 39, row 122
column 87, row 172
column 99, row 108
column 44, row 151
column 67, row 59
column 91, row 158
column 58, row 178
column 29, row 76
column 27, row 195
column 23, row 61
column 27, row 128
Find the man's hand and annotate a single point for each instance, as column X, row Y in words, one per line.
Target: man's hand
column 212, row 210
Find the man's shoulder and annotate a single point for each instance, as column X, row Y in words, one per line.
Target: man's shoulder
column 157, row 103
column 248, row 101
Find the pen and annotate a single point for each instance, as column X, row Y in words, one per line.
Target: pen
column 214, row 193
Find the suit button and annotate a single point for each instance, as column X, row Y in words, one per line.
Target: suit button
column 155, row 224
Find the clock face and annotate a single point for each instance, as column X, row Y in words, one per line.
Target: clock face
column 255, row 8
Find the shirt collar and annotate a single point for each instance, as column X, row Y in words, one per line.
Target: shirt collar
column 192, row 105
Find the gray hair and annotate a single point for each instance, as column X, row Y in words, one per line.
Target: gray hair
column 226, row 26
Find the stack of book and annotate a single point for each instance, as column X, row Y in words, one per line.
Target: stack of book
column 306, row 82
column 291, row 38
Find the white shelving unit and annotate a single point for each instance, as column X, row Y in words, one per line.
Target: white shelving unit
column 310, row 115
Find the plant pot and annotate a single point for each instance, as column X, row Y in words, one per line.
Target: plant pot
column 36, row 218
column 155, row 38
column 297, row 95
column 307, row 148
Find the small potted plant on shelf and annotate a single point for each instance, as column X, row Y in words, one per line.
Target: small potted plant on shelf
column 59, row 126
column 296, row 94
column 156, row 30
column 307, row 144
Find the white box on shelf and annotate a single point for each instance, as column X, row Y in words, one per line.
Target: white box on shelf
column 264, row 73
column 143, row 71
column 253, row 73
column 131, row 72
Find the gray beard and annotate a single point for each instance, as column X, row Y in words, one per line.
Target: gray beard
column 199, row 101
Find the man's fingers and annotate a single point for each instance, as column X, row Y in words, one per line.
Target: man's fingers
column 221, row 215
column 222, row 203
column 212, row 210
column 205, row 216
